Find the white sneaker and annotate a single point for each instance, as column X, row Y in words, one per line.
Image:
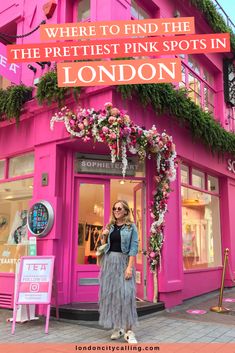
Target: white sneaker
column 118, row 333
column 130, row 337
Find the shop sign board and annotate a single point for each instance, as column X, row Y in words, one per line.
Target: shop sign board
column 34, row 285
column 106, row 167
column 10, row 71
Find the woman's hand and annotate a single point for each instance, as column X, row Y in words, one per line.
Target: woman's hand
column 104, row 235
column 128, row 273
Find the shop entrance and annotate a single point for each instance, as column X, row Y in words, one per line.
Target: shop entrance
column 93, row 201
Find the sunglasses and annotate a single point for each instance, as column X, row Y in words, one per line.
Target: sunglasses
column 117, row 208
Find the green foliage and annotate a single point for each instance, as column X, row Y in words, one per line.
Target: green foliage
column 49, row 92
column 164, row 99
column 12, row 100
column 215, row 20
column 3, row 102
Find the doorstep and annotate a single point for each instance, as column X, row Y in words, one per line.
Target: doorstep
column 89, row 311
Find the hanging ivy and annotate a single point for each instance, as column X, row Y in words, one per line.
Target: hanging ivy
column 12, row 100
column 49, row 92
column 165, row 99
column 214, row 18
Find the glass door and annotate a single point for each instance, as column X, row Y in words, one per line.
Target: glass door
column 91, row 214
column 93, row 201
column 132, row 191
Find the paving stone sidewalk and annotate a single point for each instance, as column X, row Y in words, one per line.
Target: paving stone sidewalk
column 173, row 325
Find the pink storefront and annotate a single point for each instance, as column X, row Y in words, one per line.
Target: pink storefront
column 81, row 184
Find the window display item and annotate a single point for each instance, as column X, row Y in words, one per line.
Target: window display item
column 18, row 233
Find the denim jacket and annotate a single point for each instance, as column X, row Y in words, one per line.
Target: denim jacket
column 129, row 239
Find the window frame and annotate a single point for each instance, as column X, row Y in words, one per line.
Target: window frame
column 75, row 13
column 6, row 177
column 140, row 6
column 191, row 186
column 209, row 192
column 199, row 76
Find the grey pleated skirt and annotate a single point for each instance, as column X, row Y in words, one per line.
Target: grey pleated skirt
column 117, row 296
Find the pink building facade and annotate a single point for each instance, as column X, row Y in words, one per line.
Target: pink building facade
column 81, row 185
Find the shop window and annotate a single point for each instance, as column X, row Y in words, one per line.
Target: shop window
column 213, row 184
column 15, row 197
column 201, row 222
column 21, row 165
column 199, row 83
column 198, row 179
column 2, row 166
column 84, row 7
column 184, row 174
column 137, row 12
column 4, row 82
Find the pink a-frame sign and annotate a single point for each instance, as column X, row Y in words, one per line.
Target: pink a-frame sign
column 34, row 285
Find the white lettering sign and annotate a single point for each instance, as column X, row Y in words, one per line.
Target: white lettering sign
column 106, row 167
column 231, row 165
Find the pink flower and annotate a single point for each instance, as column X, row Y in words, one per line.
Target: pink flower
column 112, row 119
column 108, row 105
column 126, row 118
column 115, row 111
column 126, row 130
column 72, row 122
column 85, row 122
column 86, row 138
column 81, row 126
column 105, row 129
column 160, row 144
column 152, row 254
column 119, row 120
column 113, row 135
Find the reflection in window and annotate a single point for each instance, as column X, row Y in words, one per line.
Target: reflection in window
column 198, row 179
column 182, row 83
column 184, row 174
column 15, row 199
column 21, row 165
column 201, row 229
column 84, row 10
column 194, row 89
column 4, row 82
column 91, row 221
column 2, row 165
column 213, row 184
column 137, row 11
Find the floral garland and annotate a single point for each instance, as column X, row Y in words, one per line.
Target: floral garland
column 115, row 128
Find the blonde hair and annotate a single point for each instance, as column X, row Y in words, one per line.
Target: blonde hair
column 127, row 218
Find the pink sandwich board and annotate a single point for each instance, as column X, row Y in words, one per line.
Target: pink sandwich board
column 34, row 285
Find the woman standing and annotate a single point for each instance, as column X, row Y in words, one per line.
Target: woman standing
column 117, row 299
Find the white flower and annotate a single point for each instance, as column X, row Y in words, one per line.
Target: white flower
column 124, row 159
